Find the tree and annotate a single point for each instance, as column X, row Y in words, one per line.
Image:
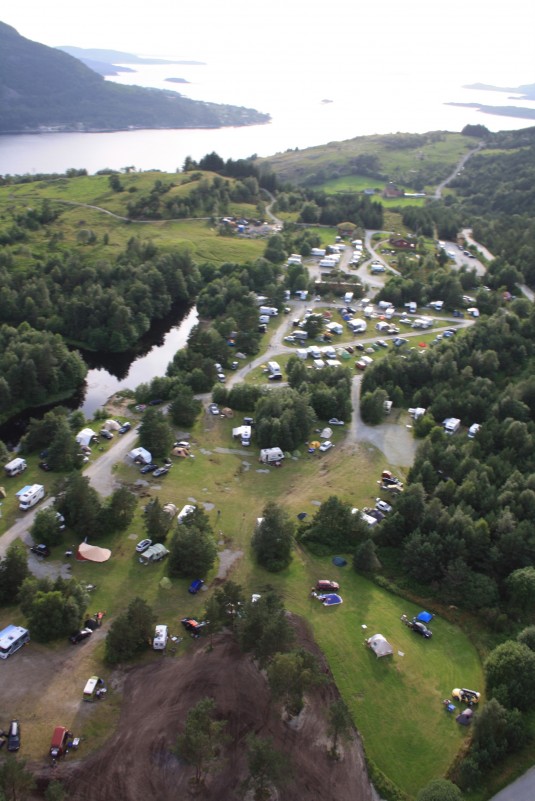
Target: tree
column 192, row 552
column 272, row 540
column 13, row 571
column 45, row 527
column 263, row 629
column 365, row 558
column 440, row 790
column 117, row 513
column 155, row 433
column 340, row 725
column 53, row 615
column 229, row 600
column 267, row 767
column 55, row 792
column 130, row 633
column 157, row 522
column 184, row 407
column 372, row 406
column 203, row 737
column 79, row 503
column 16, row 783
column 521, row 588
column 510, row 675
column 289, row 675
column 527, row 637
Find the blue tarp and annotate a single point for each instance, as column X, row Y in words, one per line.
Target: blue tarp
column 424, row 617
column 332, row 599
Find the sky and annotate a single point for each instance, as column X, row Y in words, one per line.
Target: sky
column 469, row 39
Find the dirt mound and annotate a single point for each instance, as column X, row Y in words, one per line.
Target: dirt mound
column 138, row 762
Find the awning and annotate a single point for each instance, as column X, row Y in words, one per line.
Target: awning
column 92, row 553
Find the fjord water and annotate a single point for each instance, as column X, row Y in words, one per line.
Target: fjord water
column 310, row 103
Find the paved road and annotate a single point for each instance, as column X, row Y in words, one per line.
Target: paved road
column 438, row 191
column 523, row 789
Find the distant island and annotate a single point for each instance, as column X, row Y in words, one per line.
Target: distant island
column 46, row 89
column 177, row 80
column 501, row 111
column 526, row 91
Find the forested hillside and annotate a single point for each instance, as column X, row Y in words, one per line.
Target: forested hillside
column 41, row 87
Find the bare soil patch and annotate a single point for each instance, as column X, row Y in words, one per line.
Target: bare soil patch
column 138, row 762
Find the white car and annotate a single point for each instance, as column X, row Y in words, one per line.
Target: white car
column 327, row 445
column 383, row 506
column 143, row 545
column 334, row 421
column 213, row 408
column 289, row 338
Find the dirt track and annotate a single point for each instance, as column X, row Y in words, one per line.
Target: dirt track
column 138, row 763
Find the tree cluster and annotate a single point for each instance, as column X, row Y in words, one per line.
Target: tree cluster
column 272, row 540
column 130, row 633
column 193, row 549
column 53, row 608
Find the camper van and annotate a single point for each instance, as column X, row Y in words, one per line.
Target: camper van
column 15, row 467
column 348, row 297
column 60, row 741
column 186, row 510
column 269, row 311
column 161, row 634
column 274, row 368
column 271, row 455
column 31, row 496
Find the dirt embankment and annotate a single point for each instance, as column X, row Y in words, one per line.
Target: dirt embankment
column 138, row 763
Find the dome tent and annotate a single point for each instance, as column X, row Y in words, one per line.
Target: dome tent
column 379, row 645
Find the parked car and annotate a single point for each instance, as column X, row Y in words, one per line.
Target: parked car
column 156, row 402
column 334, row 421
column 61, row 521
column 326, row 446
column 40, row 550
column 160, row 471
column 465, row 696
column 80, row 636
column 125, row 427
column 193, row 626
column 143, row 545
column 105, row 434
column 381, row 343
column 140, row 407
column 349, row 349
column 421, row 628
column 289, row 338
column 13, row 736
column 326, row 584
column 45, row 466
column 182, row 443
column 383, row 506
column 359, row 346
column 213, row 408
column 221, row 377
column 148, row 468
column 195, row 586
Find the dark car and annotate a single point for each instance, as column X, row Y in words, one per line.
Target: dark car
column 195, row 586
column 421, row 628
column 106, row 434
column 45, row 466
column 40, row 550
column 125, row 427
column 80, row 636
column 13, row 736
column 155, row 402
column 148, row 468
column 359, row 346
column 160, row 471
column 193, row 626
column 327, row 585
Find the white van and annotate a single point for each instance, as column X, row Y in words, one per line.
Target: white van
column 161, row 633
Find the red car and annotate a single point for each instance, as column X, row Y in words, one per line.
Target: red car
column 325, row 584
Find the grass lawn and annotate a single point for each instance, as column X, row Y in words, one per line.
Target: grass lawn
column 395, row 701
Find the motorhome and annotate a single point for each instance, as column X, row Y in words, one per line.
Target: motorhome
column 451, row 425
column 92, row 687
column 269, row 311
column 274, row 368
column 31, row 496
column 357, row 326
column 11, row 639
column 60, row 741
column 15, row 467
column 271, row 455
column 348, row 297
column 318, row 252
column 186, row 510
column 314, row 352
column 161, row 634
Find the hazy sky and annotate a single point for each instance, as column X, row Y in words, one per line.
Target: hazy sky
column 471, row 39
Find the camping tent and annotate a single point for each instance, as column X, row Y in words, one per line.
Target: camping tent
column 112, row 425
column 326, row 433
column 171, row 509
column 379, row 645
column 424, row 617
column 92, row 553
column 465, row 717
column 140, row 455
column 331, row 599
column 85, row 437
column 183, row 452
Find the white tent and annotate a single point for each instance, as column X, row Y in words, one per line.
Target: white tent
column 326, row 433
column 85, row 436
column 141, row 455
column 379, row 645
column 112, row 425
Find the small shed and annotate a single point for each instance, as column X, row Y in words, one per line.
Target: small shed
column 379, row 645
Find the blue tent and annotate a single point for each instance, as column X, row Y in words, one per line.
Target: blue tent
column 424, row 617
column 339, row 561
column 332, row 599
